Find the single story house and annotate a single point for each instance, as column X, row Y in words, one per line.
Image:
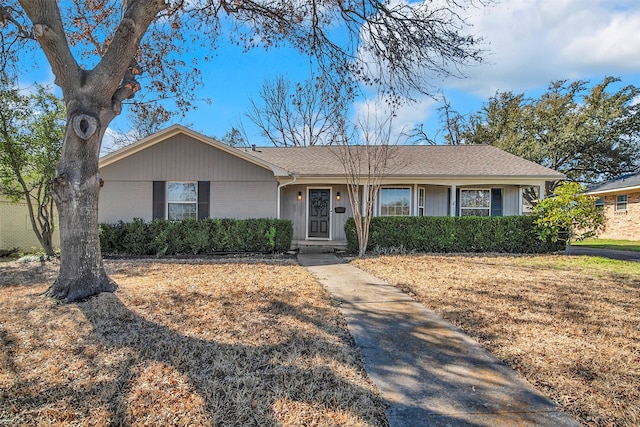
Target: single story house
column 178, row 173
column 620, row 200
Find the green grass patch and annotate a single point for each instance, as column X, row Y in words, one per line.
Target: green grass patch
column 591, row 265
column 620, row 245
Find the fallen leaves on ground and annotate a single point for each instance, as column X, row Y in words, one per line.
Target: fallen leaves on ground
column 196, row 342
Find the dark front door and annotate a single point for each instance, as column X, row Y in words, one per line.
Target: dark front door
column 319, row 213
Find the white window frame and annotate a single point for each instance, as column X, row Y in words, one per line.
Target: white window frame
column 185, row 202
column 394, row 188
column 619, row 203
column 422, row 197
column 488, row 209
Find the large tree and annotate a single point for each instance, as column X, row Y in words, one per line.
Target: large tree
column 97, row 50
column 589, row 133
column 31, row 133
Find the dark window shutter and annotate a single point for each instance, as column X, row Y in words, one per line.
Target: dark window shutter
column 203, row 199
column 496, row 202
column 159, row 202
column 457, row 202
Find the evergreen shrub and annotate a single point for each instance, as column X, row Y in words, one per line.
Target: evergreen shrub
column 506, row 234
column 195, row 237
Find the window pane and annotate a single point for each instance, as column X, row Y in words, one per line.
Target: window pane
column 621, row 202
column 395, row 201
column 475, row 202
column 475, row 199
column 180, row 211
column 600, row 203
column 182, row 192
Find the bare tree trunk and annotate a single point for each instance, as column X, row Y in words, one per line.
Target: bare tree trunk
column 76, row 191
column 93, row 98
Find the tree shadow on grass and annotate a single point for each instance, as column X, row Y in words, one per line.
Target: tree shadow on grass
column 238, row 384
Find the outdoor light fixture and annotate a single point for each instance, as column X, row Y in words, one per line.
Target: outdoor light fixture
column 338, row 195
column 299, row 195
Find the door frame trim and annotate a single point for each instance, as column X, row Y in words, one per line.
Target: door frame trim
column 306, row 216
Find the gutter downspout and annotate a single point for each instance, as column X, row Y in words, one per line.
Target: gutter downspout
column 280, row 187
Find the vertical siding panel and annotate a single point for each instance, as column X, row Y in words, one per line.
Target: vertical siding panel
column 243, row 200
column 295, row 210
column 436, row 200
column 510, row 199
column 339, row 219
column 125, row 200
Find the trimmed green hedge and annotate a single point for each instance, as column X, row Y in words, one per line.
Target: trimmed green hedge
column 193, row 237
column 510, row 234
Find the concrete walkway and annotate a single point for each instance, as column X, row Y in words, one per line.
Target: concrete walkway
column 429, row 372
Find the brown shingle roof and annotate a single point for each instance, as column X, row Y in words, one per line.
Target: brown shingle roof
column 416, row 160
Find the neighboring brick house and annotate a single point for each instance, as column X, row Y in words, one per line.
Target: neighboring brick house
column 620, row 200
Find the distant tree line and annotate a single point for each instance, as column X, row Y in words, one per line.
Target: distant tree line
column 589, row 133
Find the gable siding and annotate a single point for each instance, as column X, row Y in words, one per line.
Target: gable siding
column 237, row 188
column 181, row 158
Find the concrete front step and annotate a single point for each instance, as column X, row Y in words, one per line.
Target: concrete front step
column 318, row 246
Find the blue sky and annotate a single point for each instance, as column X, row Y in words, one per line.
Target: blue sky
column 529, row 44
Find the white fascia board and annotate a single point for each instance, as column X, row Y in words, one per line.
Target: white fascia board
column 444, row 181
column 614, row 191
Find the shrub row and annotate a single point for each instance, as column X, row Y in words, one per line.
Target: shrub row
column 510, row 234
column 208, row 236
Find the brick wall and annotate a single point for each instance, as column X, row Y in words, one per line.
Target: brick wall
column 624, row 225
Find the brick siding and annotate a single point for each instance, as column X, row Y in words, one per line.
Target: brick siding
column 623, row 225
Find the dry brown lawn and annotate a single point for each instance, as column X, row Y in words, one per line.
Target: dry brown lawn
column 180, row 343
column 569, row 325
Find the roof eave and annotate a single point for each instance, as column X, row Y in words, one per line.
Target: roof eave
column 613, row 190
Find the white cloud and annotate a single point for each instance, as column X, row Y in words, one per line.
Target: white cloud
column 533, row 42
column 374, row 112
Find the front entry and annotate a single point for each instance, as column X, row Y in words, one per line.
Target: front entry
column 319, row 213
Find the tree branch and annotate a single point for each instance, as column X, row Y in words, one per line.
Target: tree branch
column 137, row 17
column 49, row 33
